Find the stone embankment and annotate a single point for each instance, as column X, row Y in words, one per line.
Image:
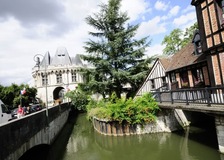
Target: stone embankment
column 165, row 122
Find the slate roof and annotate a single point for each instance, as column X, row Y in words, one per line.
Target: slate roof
column 185, row 57
column 46, row 60
column 61, row 58
column 77, row 60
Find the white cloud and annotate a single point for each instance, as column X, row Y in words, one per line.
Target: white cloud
column 174, row 11
column 156, row 49
column 135, row 8
column 151, row 27
column 188, row 9
column 183, row 19
column 161, row 6
column 63, row 24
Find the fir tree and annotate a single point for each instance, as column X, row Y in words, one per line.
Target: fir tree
column 117, row 57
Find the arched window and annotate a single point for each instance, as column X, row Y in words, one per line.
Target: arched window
column 197, row 43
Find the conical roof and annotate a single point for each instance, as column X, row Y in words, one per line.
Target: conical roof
column 77, row 60
column 46, row 60
column 61, row 57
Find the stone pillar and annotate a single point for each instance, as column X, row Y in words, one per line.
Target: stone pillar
column 219, row 122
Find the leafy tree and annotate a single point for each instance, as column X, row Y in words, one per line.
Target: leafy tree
column 9, row 93
column 178, row 39
column 189, row 34
column 78, row 98
column 173, row 42
column 11, row 96
column 116, row 56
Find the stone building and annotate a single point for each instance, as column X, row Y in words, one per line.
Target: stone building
column 54, row 76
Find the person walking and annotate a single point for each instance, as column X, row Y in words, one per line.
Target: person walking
column 20, row 112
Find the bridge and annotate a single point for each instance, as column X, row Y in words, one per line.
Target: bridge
column 20, row 135
column 204, row 100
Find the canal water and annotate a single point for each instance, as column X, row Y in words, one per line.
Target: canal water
column 79, row 141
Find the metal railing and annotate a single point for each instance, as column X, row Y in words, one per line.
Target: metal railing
column 211, row 95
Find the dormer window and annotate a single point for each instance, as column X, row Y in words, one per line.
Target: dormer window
column 220, row 9
column 197, row 43
column 61, row 55
column 198, row 49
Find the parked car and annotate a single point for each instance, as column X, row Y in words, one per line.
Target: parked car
column 35, row 107
column 5, row 113
column 14, row 113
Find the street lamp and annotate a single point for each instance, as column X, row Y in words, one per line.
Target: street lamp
column 36, row 58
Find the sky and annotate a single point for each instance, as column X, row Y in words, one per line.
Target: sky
column 30, row 27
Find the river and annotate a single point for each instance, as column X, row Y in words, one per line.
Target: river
column 79, row 141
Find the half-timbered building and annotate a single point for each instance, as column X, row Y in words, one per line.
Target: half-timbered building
column 188, row 69
column 185, row 69
column 156, row 79
column 210, row 16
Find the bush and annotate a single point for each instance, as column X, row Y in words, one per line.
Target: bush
column 78, row 99
column 140, row 110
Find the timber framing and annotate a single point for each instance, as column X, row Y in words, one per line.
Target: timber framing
column 211, row 28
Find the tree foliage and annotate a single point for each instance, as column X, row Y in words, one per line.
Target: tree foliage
column 138, row 111
column 116, row 56
column 177, row 39
column 11, row 95
column 79, row 99
column 172, row 42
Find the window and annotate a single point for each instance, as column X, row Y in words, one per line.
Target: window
column 184, row 79
column 163, row 80
column 198, row 77
column 164, row 83
column 44, row 79
column 221, row 11
column 197, row 43
column 152, row 83
column 198, row 48
column 74, row 76
column 59, row 77
column 173, row 77
column 4, row 108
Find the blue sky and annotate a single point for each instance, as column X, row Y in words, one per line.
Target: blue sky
column 30, row 27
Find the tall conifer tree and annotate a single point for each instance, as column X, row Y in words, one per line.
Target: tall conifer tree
column 117, row 57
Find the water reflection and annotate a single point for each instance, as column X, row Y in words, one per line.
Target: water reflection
column 86, row 144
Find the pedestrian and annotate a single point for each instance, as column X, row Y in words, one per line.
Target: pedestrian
column 24, row 110
column 28, row 110
column 20, row 111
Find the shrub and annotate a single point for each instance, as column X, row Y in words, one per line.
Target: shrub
column 140, row 110
column 78, row 99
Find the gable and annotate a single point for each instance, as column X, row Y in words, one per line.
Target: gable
column 157, row 72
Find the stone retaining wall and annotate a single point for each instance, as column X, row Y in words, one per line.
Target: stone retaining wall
column 166, row 122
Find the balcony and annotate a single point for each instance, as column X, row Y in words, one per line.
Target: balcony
column 208, row 96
